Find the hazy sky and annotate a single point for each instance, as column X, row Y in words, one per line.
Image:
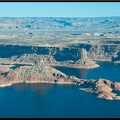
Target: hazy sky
column 59, row 9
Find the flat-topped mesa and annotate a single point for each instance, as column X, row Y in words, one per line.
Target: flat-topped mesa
column 34, row 59
column 86, row 63
column 50, row 60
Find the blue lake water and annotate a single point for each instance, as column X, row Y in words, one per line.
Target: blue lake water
column 107, row 70
column 60, row 101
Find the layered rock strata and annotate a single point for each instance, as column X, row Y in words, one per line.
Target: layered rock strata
column 45, row 74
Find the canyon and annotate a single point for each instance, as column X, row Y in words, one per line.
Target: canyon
column 31, row 47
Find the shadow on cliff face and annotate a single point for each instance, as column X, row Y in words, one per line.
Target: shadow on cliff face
column 70, row 53
column 4, row 74
column 16, row 65
column 77, row 72
column 66, row 54
column 88, row 84
column 7, row 51
column 117, row 58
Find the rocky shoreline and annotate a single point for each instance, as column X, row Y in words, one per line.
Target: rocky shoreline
column 45, row 74
column 82, row 66
column 29, row 49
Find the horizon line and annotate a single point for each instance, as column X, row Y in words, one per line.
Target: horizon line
column 53, row 17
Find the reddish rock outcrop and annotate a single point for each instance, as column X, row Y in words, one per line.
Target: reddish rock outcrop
column 103, row 88
column 41, row 73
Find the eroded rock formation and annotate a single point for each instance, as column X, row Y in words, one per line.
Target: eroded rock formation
column 39, row 73
column 103, row 88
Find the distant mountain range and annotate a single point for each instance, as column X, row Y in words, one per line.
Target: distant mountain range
column 59, row 24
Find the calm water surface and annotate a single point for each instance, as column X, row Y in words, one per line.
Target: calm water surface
column 60, row 101
column 107, row 70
